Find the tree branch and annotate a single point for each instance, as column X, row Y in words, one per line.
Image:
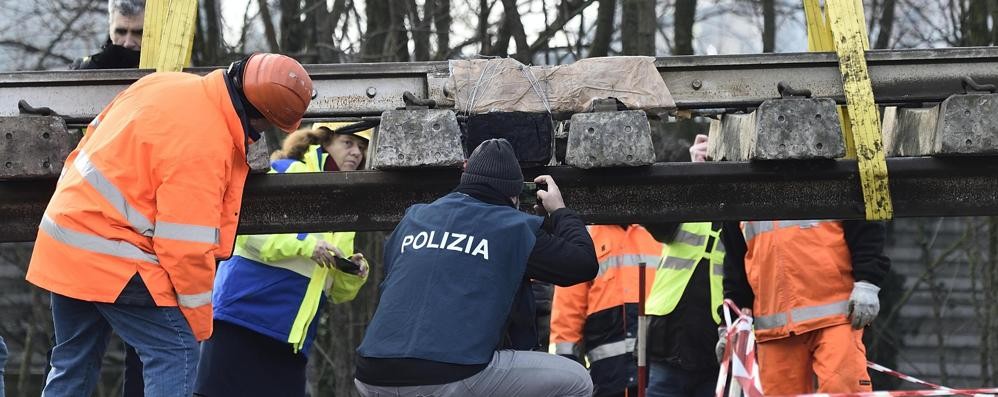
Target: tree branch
column 32, row 49
column 544, row 37
column 58, row 38
column 268, row 26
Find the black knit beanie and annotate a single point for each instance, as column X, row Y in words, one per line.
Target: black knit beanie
column 493, row 163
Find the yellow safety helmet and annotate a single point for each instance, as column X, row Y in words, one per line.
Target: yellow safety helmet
column 333, row 125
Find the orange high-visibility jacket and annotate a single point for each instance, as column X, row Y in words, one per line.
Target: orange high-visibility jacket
column 801, row 274
column 601, row 302
column 154, row 187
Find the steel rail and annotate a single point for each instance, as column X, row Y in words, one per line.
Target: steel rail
column 375, row 200
column 898, row 77
column 696, row 82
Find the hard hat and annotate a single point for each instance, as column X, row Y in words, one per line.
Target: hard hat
column 333, row 126
column 279, row 88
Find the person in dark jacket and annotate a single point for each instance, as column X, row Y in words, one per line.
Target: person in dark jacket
column 683, row 304
column 456, row 313
column 121, row 50
column 543, row 294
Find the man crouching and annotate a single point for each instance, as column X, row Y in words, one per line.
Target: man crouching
column 456, row 317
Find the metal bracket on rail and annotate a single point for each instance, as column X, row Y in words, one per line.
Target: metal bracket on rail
column 609, row 136
column 797, row 126
column 966, row 123
column 418, row 136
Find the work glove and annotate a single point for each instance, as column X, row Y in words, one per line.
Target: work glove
column 722, row 342
column 864, row 304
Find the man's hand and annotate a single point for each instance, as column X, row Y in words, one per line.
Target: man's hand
column 698, row 152
column 722, row 342
column 551, row 196
column 358, row 258
column 722, row 337
column 324, row 252
column 864, row 304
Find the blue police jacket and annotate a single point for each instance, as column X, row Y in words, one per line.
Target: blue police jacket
column 453, row 269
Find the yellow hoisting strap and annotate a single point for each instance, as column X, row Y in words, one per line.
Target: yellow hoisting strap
column 842, row 29
column 168, row 34
column 308, row 308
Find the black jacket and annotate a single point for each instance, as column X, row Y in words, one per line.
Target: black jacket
column 110, row 57
column 685, row 337
column 563, row 254
column 866, row 247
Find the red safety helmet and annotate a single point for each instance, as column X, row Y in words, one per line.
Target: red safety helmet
column 279, row 87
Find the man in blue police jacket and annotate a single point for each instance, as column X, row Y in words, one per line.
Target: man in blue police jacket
column 456, row 311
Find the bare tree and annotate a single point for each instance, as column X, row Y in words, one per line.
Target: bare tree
column 945, row 23
column 421, row 27
column 73, row 28
column 209, row 48
column 886, row 25
column 982, row 271
column 974, row 23
column 768, row 25
column 994, row 24
column 268, row 26
column 385, row 38
column 600, row 47
column 637, row 30
column 568, row 9
column 485, row 41
column 515, row 26
column 293, row 38
column 683, row 36
column 442, row 22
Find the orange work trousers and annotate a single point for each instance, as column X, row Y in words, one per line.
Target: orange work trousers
column 835, row 355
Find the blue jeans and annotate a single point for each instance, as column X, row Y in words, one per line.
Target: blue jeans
column 160, row 335
column 3, row 363
column 665, row 380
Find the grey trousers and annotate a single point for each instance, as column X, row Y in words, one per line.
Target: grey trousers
column 511, row 373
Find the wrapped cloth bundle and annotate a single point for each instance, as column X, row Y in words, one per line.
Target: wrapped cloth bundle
column 506, row 85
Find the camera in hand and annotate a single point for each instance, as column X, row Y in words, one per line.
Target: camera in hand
column 346, row 266
column 528, row 197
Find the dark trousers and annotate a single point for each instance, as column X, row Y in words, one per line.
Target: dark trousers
column 236, row 361
column 133, row 385
column 665, row 380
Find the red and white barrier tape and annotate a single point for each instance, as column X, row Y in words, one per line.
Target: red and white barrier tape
column 907, row 393
column 937, row 390
column 739, row 355
column 739, row 358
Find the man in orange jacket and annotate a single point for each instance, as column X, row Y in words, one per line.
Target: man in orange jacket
column 599, row 318
column 812, row 287
column 144, row 206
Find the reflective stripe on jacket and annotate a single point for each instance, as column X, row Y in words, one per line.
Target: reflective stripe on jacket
column 596, row 312
column 679, row 260
column 154, row 187
column 273, row 287
column 801, row 273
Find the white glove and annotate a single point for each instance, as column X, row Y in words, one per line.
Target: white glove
column 863, row 304
column 722, row 342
